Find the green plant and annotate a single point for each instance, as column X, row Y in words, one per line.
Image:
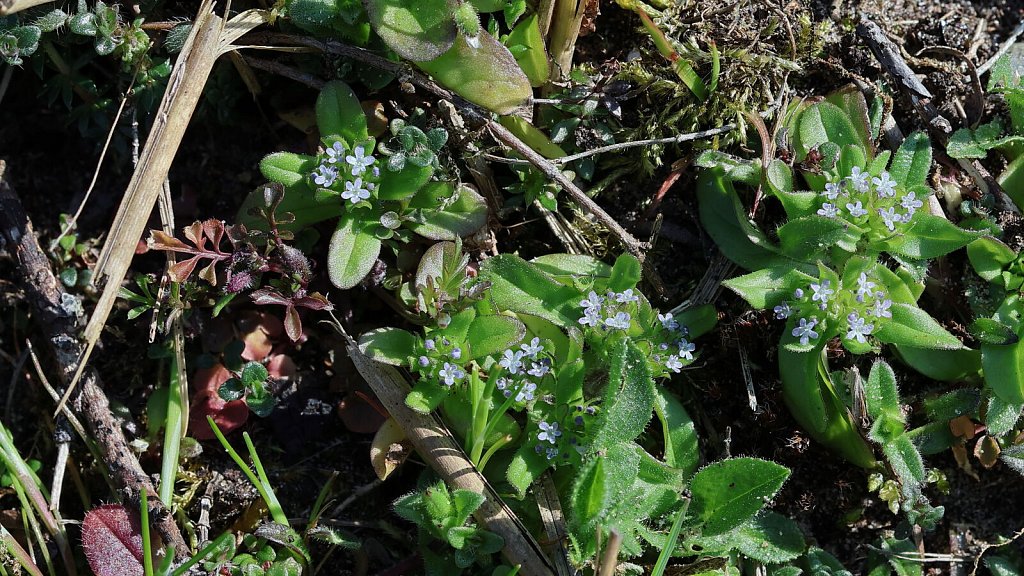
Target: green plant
column 377, row 203
column 825, row 276
column 444, row 515
column 997, row 135
column 252, row 384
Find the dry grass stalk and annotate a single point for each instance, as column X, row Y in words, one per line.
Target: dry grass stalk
column 210, row 37
column 11, row 6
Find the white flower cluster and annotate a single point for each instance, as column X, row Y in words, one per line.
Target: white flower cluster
column 821, row 305
column 864, row 197
column 356, row 172
column 519, row 365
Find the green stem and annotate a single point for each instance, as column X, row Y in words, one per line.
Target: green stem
column 19, row 553
column 147, row 544
column 479, row 412
column 272, row 503
column 670, row 545
column 172, row 436
column 268, row 491
column 221, row 542
column 492, row 450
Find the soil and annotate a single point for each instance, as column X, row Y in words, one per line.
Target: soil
column 50, row 163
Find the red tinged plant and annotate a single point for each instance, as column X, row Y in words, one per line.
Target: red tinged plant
column 112, row 540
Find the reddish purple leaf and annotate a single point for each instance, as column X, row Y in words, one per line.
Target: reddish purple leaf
column 112, row 539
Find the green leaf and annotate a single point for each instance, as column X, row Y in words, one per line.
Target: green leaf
column 1013, row 456
column 392, row 346
column 681, row 447
column 933, row 438
column 929, row 237
column 730, row 492
column 254, row 374
column 464, row 503
column 601, row 484
column 417, row 31
column 231, row 389
column 990, row 331
column 339, row 115
column 527, row 465
column 913, row 161
column 1001, row 416
column 533, row 59
column 571, row 266
column 769, row 538
column 911, row 326
column 287, row 168
column 426, row 396
column 52, row 20
column 487, row 75
column 851, row 101
column 699, row 320
column 826, row 122
column 726, row 222
column 405, row 182
column 261, row 405
column 352, row 252
column 83, row 24
column 809, row 237
column 905, row 460
column 626, row 272
column 628, row 398
column 519, row 286
column 989, row 256
column 450, row 219
column 881, row 394
column 1004, row 371
column 943, row 365
column 492, row 334
column 768, row 287
column 779, row 178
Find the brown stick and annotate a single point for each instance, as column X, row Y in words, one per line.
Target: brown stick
column 52, row 307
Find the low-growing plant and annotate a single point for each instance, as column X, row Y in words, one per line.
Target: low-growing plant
column 826, row 276
column 377, row 203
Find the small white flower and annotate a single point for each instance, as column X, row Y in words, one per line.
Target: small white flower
column 864, row 287
column 525, row 393
column 512, row 361
column 451, row 374
column 885, row 186
column 355, row 192
column 858, row 328
column 822, row 291
column 686, row 349
column 911, row 203
column 620, row 320
column 881, row 309
column 533, row 348
column 591, row 318
column 335, row 152
column 859, row 179
column 782, row 311
column 668, row 322
column 828, row 210
column 626, row 296
column 856, row 209
column 359, row 161
column 592, row 302
column 539, row 369
column 805, row 330
column 890, row 218
column 325, row 175
column 832, row 190
column 674, row 363
column 548, row 432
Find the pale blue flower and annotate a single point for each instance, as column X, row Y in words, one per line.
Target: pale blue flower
column 890, row 218
column 822, row 291
column 525, row 393
column 620, row 320
column 451, row 374
column 858, row 328
column 335, row 152
column 512, row 361
column 548, row 432
column 325, row 175
column 686, row 349
column 859, row 179
column 674, row 363
column 856, row 209
column 864, row 287
column 881, row 308
column 626, row 296
column 359, row 161
column 592, row 302
column 832, row 190
column 539, row 369
column 591, row 317
column 782, row 311
column 805, row 330
column 355, row 191
column 911, row 203
column 828, row 210
column 533, row 348
column 884, row 186
column 668, row 322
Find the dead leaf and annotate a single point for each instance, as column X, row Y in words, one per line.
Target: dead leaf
column 389, row 448
column 986, row 450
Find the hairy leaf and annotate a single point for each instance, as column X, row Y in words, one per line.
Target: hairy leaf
column 112, row 540
column 730, row 492
column 352, row 253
